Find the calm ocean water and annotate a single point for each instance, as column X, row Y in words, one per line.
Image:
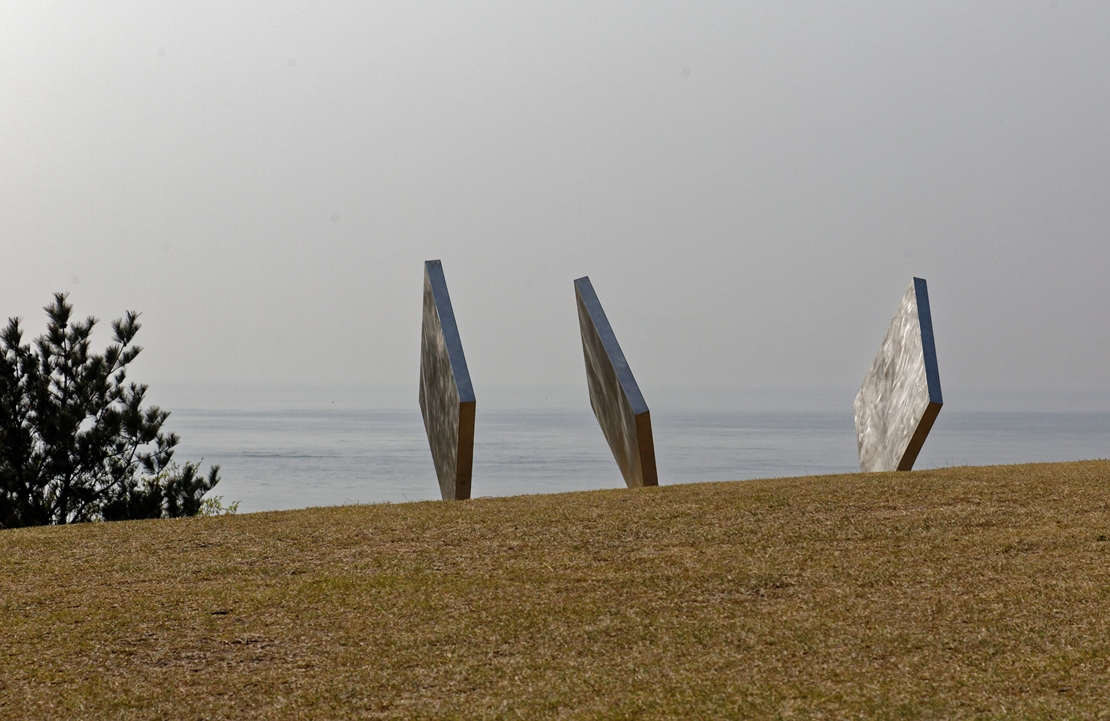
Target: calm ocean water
column 274, row 459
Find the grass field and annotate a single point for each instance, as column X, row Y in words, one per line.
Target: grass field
column 961, row 592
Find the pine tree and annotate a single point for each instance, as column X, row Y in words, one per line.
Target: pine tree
column 76, row 443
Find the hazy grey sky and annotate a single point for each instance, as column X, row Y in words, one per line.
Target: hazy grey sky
column 750, row 186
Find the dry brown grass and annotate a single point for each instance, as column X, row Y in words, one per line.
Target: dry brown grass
column 962, row 592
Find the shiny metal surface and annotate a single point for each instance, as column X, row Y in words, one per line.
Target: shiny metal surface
column 614, row 395
column 446, row 395
column 900, row 396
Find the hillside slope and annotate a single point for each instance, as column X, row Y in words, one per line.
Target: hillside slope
column 933, row 594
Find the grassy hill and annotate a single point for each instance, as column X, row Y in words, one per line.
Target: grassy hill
column 962, row 592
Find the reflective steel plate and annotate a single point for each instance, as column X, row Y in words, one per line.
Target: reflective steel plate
column 900, row 397
column 614, row 394
column 446, row 396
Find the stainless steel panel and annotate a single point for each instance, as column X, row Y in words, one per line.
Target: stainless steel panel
column 614, row 395
column 900, row 396
column 446, row 395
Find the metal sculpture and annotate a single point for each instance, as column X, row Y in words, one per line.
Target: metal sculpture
column 614, row 394
column 900, row 397
column 446, row 395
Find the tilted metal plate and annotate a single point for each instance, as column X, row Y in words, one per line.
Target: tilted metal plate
column 900, row 397
column 614, row 394
column 446, row 395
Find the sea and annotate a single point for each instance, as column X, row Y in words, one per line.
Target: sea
column 317, row 454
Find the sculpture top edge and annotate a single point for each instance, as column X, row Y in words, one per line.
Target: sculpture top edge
column 928, row 343
column 433, row 269
column 585, row 290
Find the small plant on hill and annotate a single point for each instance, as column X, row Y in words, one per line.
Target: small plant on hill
column 76, row 443
column 214, row 506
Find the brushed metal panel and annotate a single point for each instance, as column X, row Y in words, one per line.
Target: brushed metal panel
column 614, row 395
column 446, row 395
column 900, row 396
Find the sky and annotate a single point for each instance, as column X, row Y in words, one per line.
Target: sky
column 750, row 186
